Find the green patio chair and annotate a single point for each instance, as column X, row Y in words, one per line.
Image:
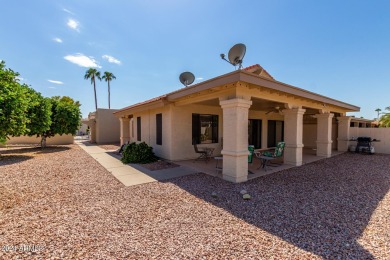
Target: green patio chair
column 267, row 156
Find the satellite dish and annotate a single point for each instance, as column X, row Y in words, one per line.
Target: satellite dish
column 186, row 78
column 236, row 55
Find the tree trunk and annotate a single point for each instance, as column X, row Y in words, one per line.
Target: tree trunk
column 109, row 106
column 94, row 89
column 43, row 141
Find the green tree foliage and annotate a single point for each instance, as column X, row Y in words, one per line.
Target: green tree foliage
column 385, row 118
column 108, row 76
column 138, row 153
column 93, row 74
column 65, row 117
column 39, row 113
column 13, row 104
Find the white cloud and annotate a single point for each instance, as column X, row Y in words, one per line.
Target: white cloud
column 52, row 87
column 82, row 60
column 55, row 81
column 59, row 40
column 67, row 11
column 73, row 24
column 111, row 59
column 200, row 78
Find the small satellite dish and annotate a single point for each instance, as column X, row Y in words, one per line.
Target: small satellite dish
column 236, row 55
column 186, row 78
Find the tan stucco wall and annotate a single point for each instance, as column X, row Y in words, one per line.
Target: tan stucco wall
column 310, row 135
column 182, row 131
column 177, row 133
column 107, row 126
column 55, row 140
column 382, row 134
column 148, row 130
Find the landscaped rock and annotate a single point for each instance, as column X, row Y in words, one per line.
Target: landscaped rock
column 246, row 197
column 243, row 192
column 214, row 194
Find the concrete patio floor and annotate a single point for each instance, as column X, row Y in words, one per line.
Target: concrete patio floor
column 309, row 156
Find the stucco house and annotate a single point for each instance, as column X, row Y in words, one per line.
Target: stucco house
column 234, row 110
column 103, row 126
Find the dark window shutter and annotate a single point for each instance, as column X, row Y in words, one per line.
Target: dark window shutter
column 215, row 128
column 195, row 129
column 159, row 129
column 138, row 128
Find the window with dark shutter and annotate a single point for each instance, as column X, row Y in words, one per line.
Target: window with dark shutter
column 139, row 128
column 159, row 129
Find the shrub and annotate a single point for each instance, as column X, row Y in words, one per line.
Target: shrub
column 138, row 153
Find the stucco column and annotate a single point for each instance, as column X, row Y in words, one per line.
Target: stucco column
column 125, row 130
column 324, row 134
column 293, row 129
column 235, row 139
column 343, row 133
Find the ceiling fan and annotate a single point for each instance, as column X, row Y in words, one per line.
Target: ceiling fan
column 275, row 110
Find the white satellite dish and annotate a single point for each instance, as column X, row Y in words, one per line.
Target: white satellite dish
column 186, row 78
column 236, row 55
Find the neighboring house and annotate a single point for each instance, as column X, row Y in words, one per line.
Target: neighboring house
column 103, row 125
column 363, row 123
column 233, row 110
column 83, row 127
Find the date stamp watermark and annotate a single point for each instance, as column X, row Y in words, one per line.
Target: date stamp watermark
column 22, row 248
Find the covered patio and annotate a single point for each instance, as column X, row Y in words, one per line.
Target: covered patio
column 232, row 111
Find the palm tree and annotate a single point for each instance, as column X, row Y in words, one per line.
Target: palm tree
column 385, row 118
column 93, row 74
column 108, row 76
column 378, row 110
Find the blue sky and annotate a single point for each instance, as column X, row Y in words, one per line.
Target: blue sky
column 340, row 49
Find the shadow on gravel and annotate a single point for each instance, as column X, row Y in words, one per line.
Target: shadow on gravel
column 33, row 149
column 12, row 159
column 15, row 155
column 322, row 207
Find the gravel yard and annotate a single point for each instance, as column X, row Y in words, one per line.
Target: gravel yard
column 65, row 205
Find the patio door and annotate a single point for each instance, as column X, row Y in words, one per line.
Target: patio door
column 254, row 132
column 275, row 132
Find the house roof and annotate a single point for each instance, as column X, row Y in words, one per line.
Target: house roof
column 254, row 74
column 258, row 70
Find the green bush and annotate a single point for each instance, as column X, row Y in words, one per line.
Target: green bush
column 138, row 153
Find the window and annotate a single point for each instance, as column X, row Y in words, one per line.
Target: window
column 159, row 129
column 204, row 129
column 139, row 128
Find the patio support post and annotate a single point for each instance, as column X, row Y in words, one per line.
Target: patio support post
column 343, row 133
column 125, row 130
column 324, row 134
column 235, row 136
column 293, row 129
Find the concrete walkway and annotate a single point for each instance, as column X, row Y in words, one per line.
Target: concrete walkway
column 132, row 174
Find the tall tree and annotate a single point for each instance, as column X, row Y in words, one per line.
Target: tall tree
column 13, row 104
column 385, row 118
column 93, row 74
column 65, row 117
column 108, row 76
column 378, row 110
column 38, row 112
